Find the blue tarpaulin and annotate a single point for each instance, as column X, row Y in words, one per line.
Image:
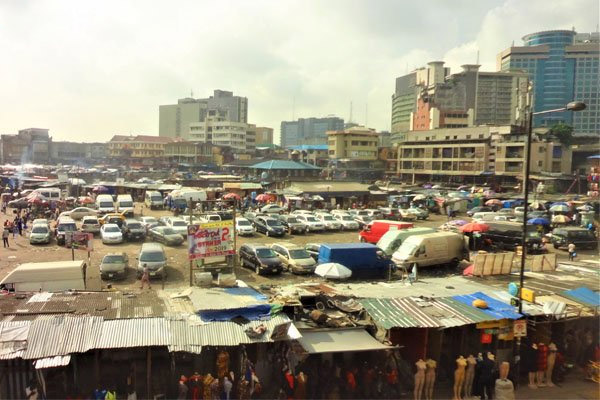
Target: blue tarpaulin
column 253, row 313
column 496, row 308
column 584, row 296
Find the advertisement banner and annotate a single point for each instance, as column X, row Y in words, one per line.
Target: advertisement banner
column 79, row 240
column 210, row 239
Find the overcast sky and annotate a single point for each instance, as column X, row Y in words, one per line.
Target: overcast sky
column 87, row 70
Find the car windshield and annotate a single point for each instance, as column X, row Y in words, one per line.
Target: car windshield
column 581, row 235
column 39, row 229
column 179, row 223
column 273, row 222
column 90, row 220
column 298, row 254
column 327, row 218
column 244, row 223
column 67, row 227
column 156, row 198
column 126, row 204
column 152, row 256
column 311, row 219
column 135, row 225
column 408, row 249
column 168, row 231
column 150, row 220
column 265, row 253
column 347, row 218
column 106, row 204
column 113, row 259
column 292, row 220
column 112, row 229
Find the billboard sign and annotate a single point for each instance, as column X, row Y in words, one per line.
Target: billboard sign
column 79, row 240
column 210, row 239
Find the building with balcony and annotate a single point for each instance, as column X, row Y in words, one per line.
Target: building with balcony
column 239, row 136
column 183, row 152
column 357, row 143
column 311, row 154
column 138, row 150
column 75, row 152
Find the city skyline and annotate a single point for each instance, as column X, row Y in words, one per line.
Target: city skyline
column 88, row 72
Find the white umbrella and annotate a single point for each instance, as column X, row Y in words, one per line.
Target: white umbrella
column 333, row 271
column 559, row 208
column 76, row 181
column 419, row 197
column 585, row 207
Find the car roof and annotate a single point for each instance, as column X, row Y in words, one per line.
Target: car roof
column 241, row 219
column 111, row 225
column 257, row 246
column 115, row 254
column 90, row 217
column 65, row 220
column 130, row 220
column 151, row 247
column 287, row 245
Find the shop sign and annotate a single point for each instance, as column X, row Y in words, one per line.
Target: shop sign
column 79, row 240
column 211, row 239
column 520, row 328
column 502, row 323
column 486, row 338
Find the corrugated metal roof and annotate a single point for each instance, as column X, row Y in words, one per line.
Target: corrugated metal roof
column 223, row 298
column 583, row 296
column 51, row 362
column 136, row 332
column 473, row 314
column 284, row 164
column 496, row 309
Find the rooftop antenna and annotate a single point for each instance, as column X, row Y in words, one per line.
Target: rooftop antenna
column 350, row 118
column 192, row 93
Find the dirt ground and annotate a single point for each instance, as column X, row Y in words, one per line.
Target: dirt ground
column 21, row 251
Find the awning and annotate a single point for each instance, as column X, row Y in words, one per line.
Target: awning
column 339, row 340
column 51, row 362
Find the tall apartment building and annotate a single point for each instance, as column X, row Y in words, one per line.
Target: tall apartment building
column 175, row 119
column 239, row 136
column 357, row 143
column 264, row 136
column 563, row 66
column 431, row 98
column 309, row 131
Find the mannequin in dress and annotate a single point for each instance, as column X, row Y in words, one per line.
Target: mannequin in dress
column 429, row 378
column 530, row 363
column 469, row 375
column 419, row 379
column 459, row 377
column 542, row 362
column 503, row 387
column 550, row 360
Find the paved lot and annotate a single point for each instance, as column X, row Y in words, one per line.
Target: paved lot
column 21, row 251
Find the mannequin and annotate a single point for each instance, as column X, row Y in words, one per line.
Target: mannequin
column 504, row 388
column 430, row 378
column 551, row 359
column 470, row 375
column 222, row 364
column 206, row 391
column 487, row 378
column 530, row 364
column 459, row 377
column 542, row 362
column 419, row 379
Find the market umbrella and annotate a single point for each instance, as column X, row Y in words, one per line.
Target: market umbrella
column 493, row 202
column 263, row 197
column 538, row 221
column 100, row 189
column 427, row 186
column 333, row 271
column 419, row 197
column 76, row 181
column 474, row 227
column 85, row 200
column 489, row 193
column 462, row 187
column 458, row 222
column 585, row 207
column 559, row 208
column 559, row 203
column 560, row 219
column 231, row 196
column 536, row 205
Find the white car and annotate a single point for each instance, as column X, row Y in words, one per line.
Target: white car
column 111, row 233
column 339, row 212
column 179, row 225
column 90, row 225
column 330, row 223
column 348, row 223
column 272, row 209
column 149, row 222
column 80, row 212
column 244, row 227
column 302, row 212
column 311, row 222
column 373, row 213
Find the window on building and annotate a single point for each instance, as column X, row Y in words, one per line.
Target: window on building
column 468, row 136
column 540, row 163
column 481, row 136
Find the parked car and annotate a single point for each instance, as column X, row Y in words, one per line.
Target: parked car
column 330, row 223
column 405, row 215
column 260, row 258
column 40, row 221
column 580, row 237
column 269, row 226
column 179, row 225
column 373, row 213
column 363, row 259
column 389, row 213
column 392, row 239
column 420, row 213
column 272, row 209
column 210, row 218
column 154, row 257
column 292, row 224
column 432, row 249
column 112, row 218
column 244, row 227
column 339, row 212
column 362, row 220
column 111, row 233
column 166, row 235
column 149, row 222
column 506, row 211
column 40, row 233
column 134, row 230
column 311, row 222
column 114, row 265
column 64, row 225
column 479, row 209
column 90, row 225
column 376, row 229
column 251, row 216
column 80, row 212
column 294, row 258
column 302, row 212
column 347, row 222
column 507, row 235
column 313, row 250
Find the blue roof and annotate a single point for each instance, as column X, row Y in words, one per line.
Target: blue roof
column 496, row 309
column 309, row 147
column 584, row 296
column 284, row 164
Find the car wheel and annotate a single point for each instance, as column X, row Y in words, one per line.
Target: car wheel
column 257, row 270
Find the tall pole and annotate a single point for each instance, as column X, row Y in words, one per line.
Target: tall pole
column 526, row 206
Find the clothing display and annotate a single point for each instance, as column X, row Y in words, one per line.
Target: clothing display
column 300, row 392
column 542, row 364
column 195, row 385
column 550, row 361
column 206, row 390
column 469, row 375
column 222, row 364
column 419, row 379
column 486, row 378
column 459, row 377
column 430, row 378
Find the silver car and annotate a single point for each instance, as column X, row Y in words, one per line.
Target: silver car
column 114, row 265
column 40, row 234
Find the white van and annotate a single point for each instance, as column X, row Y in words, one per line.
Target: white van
column 105, row 204
column 125, row 204
column 49, row 194
column 153, row 199
column 56, row 276
column 432, row 249
column 484, row 216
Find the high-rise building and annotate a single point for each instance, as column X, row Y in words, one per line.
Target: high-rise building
column 563, row 67
column 264, row 136
column 238, row 136
column 175, row 119
column 310, row 131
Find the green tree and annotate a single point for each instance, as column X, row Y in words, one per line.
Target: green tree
column 563, row 133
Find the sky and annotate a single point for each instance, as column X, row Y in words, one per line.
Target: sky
column 89, row 70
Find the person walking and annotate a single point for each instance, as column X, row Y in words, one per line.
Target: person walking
column 571, row 249
column 5, row 234
column 15, row 230
column 146, row 277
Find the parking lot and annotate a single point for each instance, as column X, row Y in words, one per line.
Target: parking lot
column 21, row 251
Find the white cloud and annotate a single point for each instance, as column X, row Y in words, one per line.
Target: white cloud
column 88, row 70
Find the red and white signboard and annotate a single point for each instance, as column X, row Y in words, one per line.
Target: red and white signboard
column 79, row 240
column 211, row 239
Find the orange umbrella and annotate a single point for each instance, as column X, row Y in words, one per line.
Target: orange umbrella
column 474, row 227
column 231, row 196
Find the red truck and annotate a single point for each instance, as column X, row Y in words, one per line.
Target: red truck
column 376, row 229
